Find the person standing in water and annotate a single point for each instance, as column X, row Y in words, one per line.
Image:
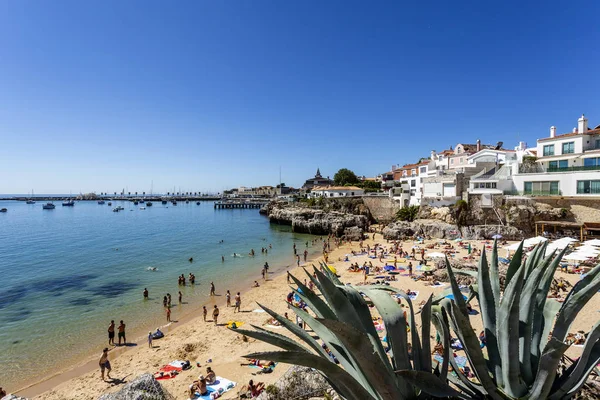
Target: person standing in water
column 180, row 297
column 168, row 314
column 212, row 289
column 122, row 333
column 145, row 293
column 111, row 333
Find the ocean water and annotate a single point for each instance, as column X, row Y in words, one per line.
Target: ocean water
column 67, row 272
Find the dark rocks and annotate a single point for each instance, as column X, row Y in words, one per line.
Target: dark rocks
column 297, row 383
column 144, row 387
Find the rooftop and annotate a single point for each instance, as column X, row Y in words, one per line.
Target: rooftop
column 566, row 135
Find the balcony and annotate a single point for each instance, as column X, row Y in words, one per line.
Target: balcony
column 575, row 169
column 533, row 193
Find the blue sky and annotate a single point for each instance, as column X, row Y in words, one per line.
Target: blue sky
column 205, row 95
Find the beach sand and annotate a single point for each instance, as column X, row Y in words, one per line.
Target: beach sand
column 198, row 341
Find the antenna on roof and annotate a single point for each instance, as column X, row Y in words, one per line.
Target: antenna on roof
column 499, row 145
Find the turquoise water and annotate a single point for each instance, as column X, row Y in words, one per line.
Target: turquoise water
column 67, row 272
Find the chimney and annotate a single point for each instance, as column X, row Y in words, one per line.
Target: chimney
column 478, row 145
column 433, row 155
column 582, row 124
column 574, row 130
column 552, row 131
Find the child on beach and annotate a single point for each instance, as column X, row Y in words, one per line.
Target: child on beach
column 204, row 312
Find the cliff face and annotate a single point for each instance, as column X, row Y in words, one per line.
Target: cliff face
column 319, row 222
column 444, row 230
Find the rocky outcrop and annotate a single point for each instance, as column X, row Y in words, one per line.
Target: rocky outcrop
column 298, row 383
column 443, row 230
column 13, row 397
column 144, row 387
column 318, row 222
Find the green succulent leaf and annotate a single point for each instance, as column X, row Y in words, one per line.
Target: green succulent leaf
column 430, row 384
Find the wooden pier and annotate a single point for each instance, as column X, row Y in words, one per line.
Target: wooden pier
column 238, row 204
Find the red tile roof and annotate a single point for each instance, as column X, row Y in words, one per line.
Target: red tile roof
column 565, row 135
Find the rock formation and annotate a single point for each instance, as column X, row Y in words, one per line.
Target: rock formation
column 144, row 387
column 443, row 230
column 319, row 222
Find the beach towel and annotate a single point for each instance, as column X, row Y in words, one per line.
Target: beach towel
column 273, row 326
column 439, row 284
column 460, row 360
column 234, row 324
column 451, row 296
column 220, row 386
column 413, row 296
column 258, row 310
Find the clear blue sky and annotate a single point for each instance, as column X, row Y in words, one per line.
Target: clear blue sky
column 205, row 95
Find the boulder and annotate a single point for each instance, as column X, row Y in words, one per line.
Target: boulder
column 144, row 387
column 317, row 222
column 444, row 230
column 13, row 397
column 297, row 383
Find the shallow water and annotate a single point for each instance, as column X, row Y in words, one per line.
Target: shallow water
column 67, row 272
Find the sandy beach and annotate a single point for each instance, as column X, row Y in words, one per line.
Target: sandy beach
column 199, row 341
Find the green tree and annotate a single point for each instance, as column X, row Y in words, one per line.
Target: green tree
column 370, row 185
column 407, row 213
column 344, row 176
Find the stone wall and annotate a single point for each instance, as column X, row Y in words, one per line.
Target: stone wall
column 582, row 209
column 382, row 209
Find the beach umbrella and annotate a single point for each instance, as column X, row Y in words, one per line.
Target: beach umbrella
column 458, row 239
column 592, row 242
column 513, row 247
column 436, row 255
column 497, row 236
column 576, row 257
column 533, row 241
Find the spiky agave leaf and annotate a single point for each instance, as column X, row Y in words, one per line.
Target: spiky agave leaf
column 347, row 386
column 577, row 373
column 430, row 384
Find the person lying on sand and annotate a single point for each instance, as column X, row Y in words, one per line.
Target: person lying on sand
column 258, row 363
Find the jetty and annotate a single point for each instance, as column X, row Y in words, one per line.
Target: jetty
column 226, row 204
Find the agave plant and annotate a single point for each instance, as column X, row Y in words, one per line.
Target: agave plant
column 342, row 321
column 524, row 330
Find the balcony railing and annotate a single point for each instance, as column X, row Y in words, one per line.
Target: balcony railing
column 533, row 193
column 575, row 169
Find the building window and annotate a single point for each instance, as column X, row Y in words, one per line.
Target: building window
column 568, row 148
column 541, row 188
column 591, row 162
column 588, row 187
column 452, row 161
column 558, row 164
column 597, row 146
column 413, row 183
column 549, row 150
column 423, row 170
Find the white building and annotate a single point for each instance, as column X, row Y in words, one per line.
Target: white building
column 337, row 191
column 566, row 165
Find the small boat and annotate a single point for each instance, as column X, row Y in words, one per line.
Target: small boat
column 48, row 206
column 187, row 202
column 120, row 208
column 135, row 203
column 109, row 204
column 68, row 203
column 174, row 202
column 30, row 201
column 101, row 202
column 148, row 204
column 116, row 209
column 164, row 202
column 142, row 201
column 3, row 210
column 197, row 203
column 142, row 208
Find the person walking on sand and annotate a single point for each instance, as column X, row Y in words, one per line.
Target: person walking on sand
column 111, row 333
column 212, row 289
column 122, row 333
column 104, row 364
column 228, row 298
column 204, row 312
column 150, row 339
column 215, row 314
column 238, row 302
column 168, row 315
